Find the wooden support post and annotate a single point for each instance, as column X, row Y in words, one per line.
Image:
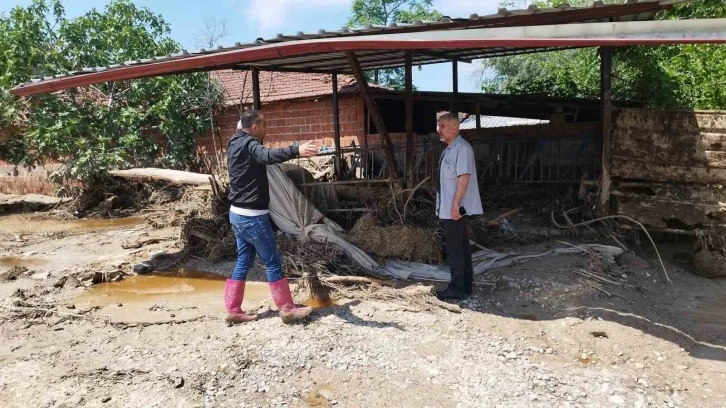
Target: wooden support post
column 375, row 114
column 336, row 125
column 606, row 65
column 409, row 118
column 256, row 101
column 477, row 112
column 455, row 87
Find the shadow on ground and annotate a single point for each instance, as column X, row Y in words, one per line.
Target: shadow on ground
column 689, row 312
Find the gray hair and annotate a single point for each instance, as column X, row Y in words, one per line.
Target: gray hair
column 448, row 116
column 249, row 118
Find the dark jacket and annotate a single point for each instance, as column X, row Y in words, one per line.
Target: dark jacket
column 246, row 161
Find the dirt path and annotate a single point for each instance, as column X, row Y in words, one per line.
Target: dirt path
column 538, row 338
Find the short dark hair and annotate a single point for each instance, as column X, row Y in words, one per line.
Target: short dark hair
column 250, row 117
column 449, row 116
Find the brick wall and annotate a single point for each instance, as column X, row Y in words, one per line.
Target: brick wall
column 26, row 181
column 293, row 121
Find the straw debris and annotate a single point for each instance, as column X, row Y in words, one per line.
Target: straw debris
column 414, row 298
column 396, row 242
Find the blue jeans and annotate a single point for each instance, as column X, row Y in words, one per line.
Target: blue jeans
column 255, row 236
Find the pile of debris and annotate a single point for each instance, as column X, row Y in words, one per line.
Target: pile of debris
column 397, row 242
column 311, row 257
column 113, row 197
column 710, row 253
column 322, row 168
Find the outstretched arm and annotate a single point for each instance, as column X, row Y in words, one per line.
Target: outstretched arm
column 266, row 156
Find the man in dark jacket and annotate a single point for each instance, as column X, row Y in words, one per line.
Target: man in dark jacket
column 249, row 195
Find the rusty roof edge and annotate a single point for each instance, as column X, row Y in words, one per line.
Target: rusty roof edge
column 630, row 33
column 443, row 23
column 650, row 6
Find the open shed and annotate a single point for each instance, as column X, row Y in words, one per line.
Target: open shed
column 353, row 51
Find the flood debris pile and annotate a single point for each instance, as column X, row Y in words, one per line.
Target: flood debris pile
column 709, row 256
column 311, row 257
column 211, row 239
column 29, row 306
column 401, row 225
column 205, row 227
column 14, row 273
column 321, row 167
column 519, row 214
column 114, row 197
column 413, row 298
column 397, row 242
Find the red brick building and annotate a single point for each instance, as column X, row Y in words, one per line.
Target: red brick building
column 298, row 107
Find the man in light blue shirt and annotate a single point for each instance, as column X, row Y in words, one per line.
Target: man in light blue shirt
column 457, row 198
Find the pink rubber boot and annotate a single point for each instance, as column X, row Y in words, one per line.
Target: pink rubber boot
column 234, row 292
column 289, row 312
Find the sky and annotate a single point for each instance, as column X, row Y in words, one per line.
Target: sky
column 250, row 19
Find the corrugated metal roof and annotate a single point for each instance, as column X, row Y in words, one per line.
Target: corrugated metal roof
column 331, row 61
column 499, row 121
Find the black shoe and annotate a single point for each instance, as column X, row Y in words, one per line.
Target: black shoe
column 450, row 294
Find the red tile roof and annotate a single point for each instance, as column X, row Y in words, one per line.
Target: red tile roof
column 280, row 86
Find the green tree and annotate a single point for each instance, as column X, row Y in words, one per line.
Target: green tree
column 663, row 76
column 385, row 12
column 96, row 128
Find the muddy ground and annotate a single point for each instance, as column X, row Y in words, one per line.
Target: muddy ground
column 533, row 335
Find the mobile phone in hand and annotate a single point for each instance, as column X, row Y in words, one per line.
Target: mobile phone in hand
column 462, row 211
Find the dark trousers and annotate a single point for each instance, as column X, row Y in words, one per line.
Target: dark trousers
column 459, row 250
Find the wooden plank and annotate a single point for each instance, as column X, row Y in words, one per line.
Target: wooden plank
column 409, row 118
column 375, row 114
column 345, row 182
column 661, row 230
column 172, row 176
column 365, row 193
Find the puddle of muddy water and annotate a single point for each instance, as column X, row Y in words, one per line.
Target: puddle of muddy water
column 173, row 286
column 7, row 262
column 321, row 304
column 24, row 224
column 315, row 398
column 178, row 294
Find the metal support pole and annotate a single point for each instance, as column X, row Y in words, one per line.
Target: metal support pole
column 477, row 112
column 606, row 68
column 336, row 125
column 256, row 101
column 455, row 90
column 409, row 118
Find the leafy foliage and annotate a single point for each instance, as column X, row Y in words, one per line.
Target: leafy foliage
column 663, row 76
column 97, row 128
column 385, row 12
